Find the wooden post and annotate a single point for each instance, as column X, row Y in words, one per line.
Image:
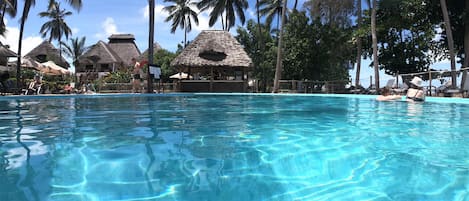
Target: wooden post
column 430, row 80
column 211, row 79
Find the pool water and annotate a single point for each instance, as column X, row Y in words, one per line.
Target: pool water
column 232, row 147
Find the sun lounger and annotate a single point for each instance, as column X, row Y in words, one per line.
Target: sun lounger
column 447, row 91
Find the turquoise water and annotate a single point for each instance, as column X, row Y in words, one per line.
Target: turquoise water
column 232, row 147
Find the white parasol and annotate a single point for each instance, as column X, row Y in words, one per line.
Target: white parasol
column 180, row 76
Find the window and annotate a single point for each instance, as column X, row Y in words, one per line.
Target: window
column 105, row 68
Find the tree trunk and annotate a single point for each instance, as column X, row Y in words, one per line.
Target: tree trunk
column 151, row 38
column 4, row 9
column 20, row 45
column 449, row 35
column 375, row 43
column 359, row 43
column 185, row 36
column 295, row 5
column 260, row 45
column 466, row 45
column 278, row 68
column 60, row 47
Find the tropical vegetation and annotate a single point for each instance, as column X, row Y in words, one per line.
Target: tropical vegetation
column 56, row 27
column 182, row 15
column 322, row 38
column 76, row 4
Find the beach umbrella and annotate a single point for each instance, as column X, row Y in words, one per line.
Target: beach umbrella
column 28, row 62
column 180, row 76
column 53, row 69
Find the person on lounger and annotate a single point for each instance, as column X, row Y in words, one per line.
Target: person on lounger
column 35, row 86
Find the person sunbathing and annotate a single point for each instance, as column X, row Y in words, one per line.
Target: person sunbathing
column 35, row 86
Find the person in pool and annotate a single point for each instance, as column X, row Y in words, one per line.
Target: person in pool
column 415, row 93
column 387, row 96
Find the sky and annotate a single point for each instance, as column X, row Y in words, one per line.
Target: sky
column 98, row 19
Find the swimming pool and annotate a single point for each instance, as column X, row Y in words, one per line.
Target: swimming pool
column 232, row 147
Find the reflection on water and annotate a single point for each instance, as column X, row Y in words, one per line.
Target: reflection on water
column 231, row 148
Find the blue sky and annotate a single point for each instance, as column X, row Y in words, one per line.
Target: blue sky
column 98, row 19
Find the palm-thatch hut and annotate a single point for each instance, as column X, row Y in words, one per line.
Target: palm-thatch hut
column 5, row 53
column 103, row 58
column 156, row 48
column 99, row 58
column 219, row 58
column 47, row 52
column 124, row 46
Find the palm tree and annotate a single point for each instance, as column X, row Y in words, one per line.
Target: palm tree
column 449, row 36
column 151, row 37
column 260, row 42
column 332, row 12
column 271, row 9
column 27, row 6
column 278, row 68
column 75, row 49
column 182, row 15
column 6, row 7
column 374, row 39
column 229, row 8
column 56, row 27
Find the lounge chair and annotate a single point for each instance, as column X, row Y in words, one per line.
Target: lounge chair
column 34, row 87
column 443, row 88
column 372, row 89
column 447, row 91
column 390, row 83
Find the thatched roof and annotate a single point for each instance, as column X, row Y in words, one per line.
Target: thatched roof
column 46, row 51
column 144, row 55
column 213, row 48
column 102, row 52
column 124, row 46
column 5, row 52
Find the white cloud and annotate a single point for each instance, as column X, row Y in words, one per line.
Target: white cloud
column 251, row 14
column 75, row 30
column 160, row 14
column 12, row 36
column 109, row 27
